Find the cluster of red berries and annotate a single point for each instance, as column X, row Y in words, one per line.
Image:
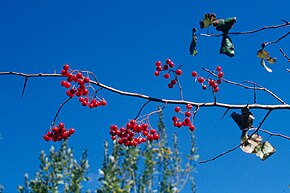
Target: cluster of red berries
column 58, row 133
column 211, row 82
column 133, row 134
column 186, row 120
column 168, row 69
column 77, row 85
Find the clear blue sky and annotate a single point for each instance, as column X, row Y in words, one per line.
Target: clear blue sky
column 120, row 41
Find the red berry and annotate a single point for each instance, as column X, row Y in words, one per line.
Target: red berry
column 156, row 136
column 178, row 72
column 79, row 75
column 65, row 84
column 179, row 124
column 79, row 93
column 81, row 81
column 216, row 89
column 103, row 102
column 218, row 68
column 66, row 67
column 219, row 81
column 192, row 127
column 61, row 125
column 203, row 87
column 46, row 138
column 211, row 82
column 170, row 86
column 174, row 119
column 64, row 73
column 86, row 79
column 194, row 74
column 55, row 129
column 177, row 109
column 158, row 68
column 158, row 63
column 173, row 82
column 114, row 127
column 71, row 131
column 188, row 106
column 200, row 79
column 152, row 131
column 220, row 74
column 145, row 133
column 68, row 93
column 215, row 85
column 187, row 121
column 156, row 73
column 166, row 76
column 165, row 67
column 168, row 61
column 171, row 65
column 85, row 92
column 84, row 103
column 144, row 126
column 188, row 113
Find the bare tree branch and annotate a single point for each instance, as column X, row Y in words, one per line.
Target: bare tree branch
column 167, row 101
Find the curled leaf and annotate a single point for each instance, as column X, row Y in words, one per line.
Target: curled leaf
column 264, row 65
column 264, row 55
column 192, row 47
column 208, row 18
column 272, row 60
column 224, row 25
column 227, row 46
column 256, row 146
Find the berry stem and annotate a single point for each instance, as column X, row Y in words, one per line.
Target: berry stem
column 141, row 109
column 58, row 111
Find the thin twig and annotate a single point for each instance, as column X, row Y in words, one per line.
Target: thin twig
column 24, row 86
column 248, row 32
column 58, row 111
column 276, row 41
column 236, row 147
column 275, row 134
column 141, row 109
column 287, row 57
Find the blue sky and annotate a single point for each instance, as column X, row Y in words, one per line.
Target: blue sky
column 119, row 41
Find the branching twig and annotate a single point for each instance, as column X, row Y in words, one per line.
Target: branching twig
column 248, row 87
column 275, row 134
column 276, row 41
column 236, row 147
column 287, row 57
column 286, row 24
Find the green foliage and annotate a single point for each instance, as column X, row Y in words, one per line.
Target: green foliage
column 59, row 172
column 157, row 167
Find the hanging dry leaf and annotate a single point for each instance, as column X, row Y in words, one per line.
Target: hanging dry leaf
column 256, row 146
column 264, row 55
column 208, row 18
